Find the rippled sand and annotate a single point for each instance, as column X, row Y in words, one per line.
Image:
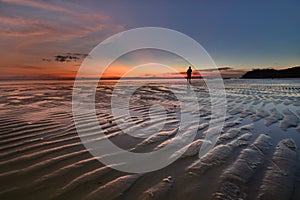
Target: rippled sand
column 256, row 157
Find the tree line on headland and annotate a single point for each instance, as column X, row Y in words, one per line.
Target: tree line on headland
column 293, row 72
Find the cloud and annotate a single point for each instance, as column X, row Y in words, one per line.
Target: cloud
column 36, row 4
column 68, row 57
column 224, row 68
column 55, row 8
column 214, row 69
column 61, row 23
column 48, row 30
column 21, row 27
column 225, row 72
column 60, row 58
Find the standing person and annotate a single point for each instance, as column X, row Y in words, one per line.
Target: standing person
column 189, row 74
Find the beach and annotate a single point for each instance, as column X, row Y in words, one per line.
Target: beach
column 255, row 157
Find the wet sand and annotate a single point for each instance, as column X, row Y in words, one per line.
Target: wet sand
column 256, row 156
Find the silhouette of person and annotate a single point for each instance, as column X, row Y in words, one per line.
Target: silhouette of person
column 189, row 74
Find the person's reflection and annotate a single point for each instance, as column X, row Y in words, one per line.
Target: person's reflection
column 188, row 88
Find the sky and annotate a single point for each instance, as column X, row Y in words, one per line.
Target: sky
column 50, row 39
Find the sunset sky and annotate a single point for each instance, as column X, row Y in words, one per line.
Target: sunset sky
column 50, row 39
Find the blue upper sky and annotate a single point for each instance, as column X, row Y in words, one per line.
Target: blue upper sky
column 238, row 33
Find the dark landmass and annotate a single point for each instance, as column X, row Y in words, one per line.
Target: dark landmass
column 293, row 72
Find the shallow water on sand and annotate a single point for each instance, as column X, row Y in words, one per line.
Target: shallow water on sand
column 42, row 157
